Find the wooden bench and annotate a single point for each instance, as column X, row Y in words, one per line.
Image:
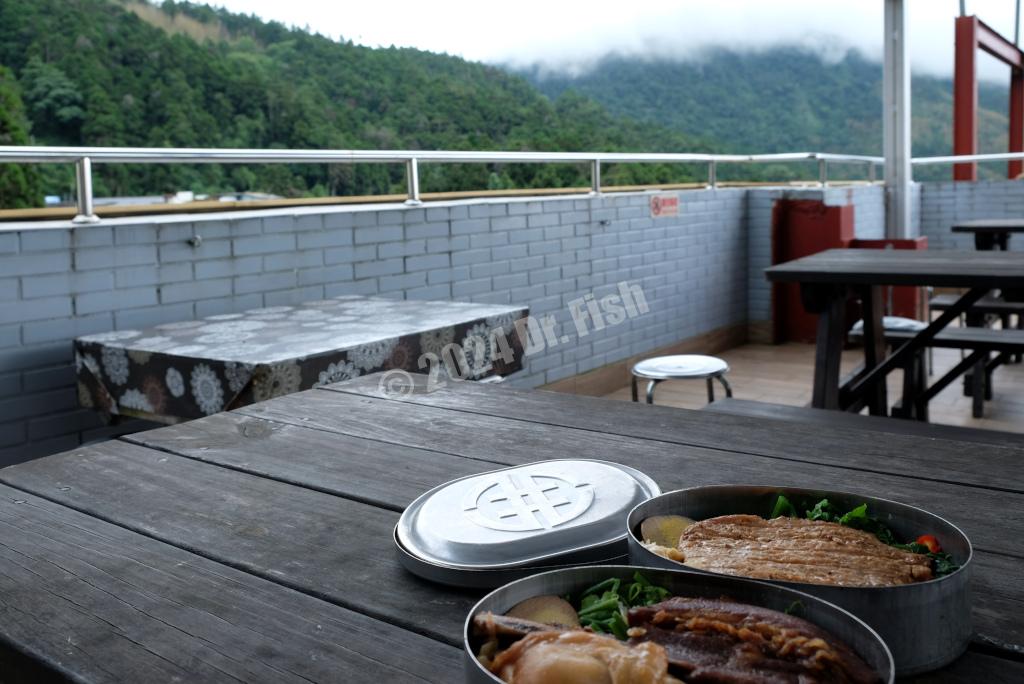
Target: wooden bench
column 986, row 306
column 980, row 341
column 840, row 419
column 987, row 339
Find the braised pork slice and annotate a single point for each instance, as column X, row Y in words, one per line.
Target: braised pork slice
column 710, row 640
column 799, row 550
column 578, row 657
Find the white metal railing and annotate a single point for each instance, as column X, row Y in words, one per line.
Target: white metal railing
column 83, row 158
column 967, row 158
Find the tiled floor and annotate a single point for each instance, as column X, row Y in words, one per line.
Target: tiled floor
column 782, row 374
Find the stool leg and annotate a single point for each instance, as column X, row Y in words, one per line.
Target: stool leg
column 633, row 383
column 711, row 391
column 650, row 391
column 726, row 385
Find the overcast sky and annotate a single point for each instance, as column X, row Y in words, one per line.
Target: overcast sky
column 571, row 34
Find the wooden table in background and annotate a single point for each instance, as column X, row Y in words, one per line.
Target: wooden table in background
column 827, row 279
column 256, row 545
column 991, row 233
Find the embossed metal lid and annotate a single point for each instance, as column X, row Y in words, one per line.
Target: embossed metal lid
column 489, row 527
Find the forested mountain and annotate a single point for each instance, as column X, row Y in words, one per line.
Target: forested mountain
column 99, row 72
column 784, row 99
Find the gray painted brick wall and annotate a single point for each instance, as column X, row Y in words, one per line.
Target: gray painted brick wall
column 944, row 203
column 699, row 271
column 58, row 282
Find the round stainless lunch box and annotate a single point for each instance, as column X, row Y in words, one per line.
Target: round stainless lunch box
column 490, row 528
column 680, row 582
column 926, row 624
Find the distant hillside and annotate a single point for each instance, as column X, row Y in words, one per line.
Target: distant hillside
column 100, row 72
column 779, row 100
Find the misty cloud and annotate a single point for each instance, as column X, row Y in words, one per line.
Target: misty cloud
column 571, row 35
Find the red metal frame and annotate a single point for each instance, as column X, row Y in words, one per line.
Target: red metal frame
column 972, row 34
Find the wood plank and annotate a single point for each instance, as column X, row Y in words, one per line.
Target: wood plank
column 831, row 419
column 90, row 601
column 934, row 459
column 354, row 467
column 973, row 667
column 941, row 268
column 323, row 545
column 997, row 601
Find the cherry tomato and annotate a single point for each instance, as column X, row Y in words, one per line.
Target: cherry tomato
column 930, row 541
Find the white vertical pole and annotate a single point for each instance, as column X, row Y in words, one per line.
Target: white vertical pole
column 83, row 192
column 412, row 181
column 896, row 121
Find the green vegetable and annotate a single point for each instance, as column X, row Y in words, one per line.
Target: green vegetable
column 603, row 607
column 858, row 519
column 823, row 510
column 943, row 563
column 783, row 507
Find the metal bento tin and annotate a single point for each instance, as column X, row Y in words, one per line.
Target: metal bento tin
column 487, row 529
column 681, row 582
column 926, row 624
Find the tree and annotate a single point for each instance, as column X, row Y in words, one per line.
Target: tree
column 53, row 99
column 20, row 185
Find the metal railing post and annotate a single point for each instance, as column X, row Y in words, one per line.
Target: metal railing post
column 412, row 181
column 871, row 172
column 823, row 173
column 83, row 192
column 595, row 177
column 712, row 174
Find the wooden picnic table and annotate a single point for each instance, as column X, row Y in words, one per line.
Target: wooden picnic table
column 991, row 233
column 256, row 544
column 828, row 279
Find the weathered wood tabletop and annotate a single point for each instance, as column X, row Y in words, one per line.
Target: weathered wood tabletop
column 936, row 267
column 256, row 545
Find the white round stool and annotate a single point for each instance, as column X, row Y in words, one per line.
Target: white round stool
column 681, row 367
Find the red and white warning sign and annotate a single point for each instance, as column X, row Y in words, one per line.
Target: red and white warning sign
column 664, row 205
